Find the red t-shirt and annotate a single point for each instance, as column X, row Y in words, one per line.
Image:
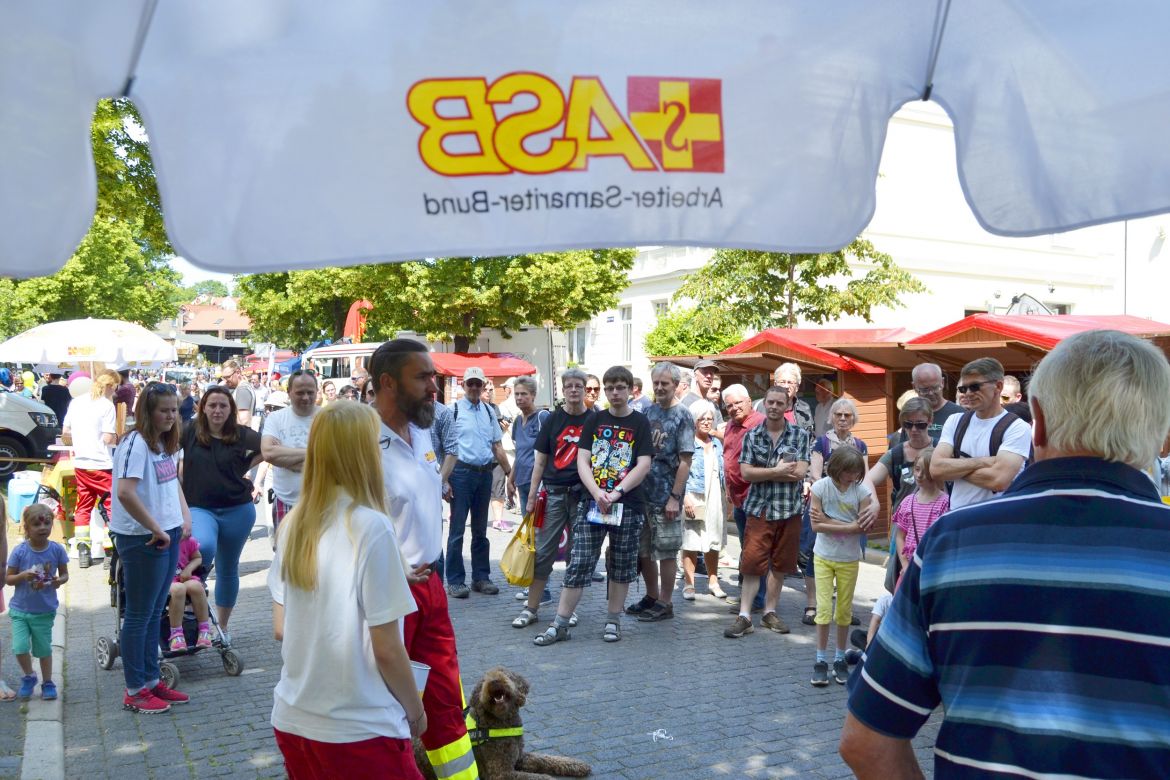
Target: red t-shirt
column 733, row 434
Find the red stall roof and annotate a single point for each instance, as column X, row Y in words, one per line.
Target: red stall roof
column 1020, row 340
column 801, row 346
column 494, row 364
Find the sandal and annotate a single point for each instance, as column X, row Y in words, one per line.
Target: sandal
column 573, row 620
column 6, row 693
column 717, row 592
column 810, row 614
column 551, row 636
column 613, row 632
column 689, row 593
column 527, row 617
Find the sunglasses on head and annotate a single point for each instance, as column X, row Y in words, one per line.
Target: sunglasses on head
column 917, row 426
column 974, row 387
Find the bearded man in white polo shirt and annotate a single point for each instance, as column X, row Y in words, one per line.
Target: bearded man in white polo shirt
column 404, row 378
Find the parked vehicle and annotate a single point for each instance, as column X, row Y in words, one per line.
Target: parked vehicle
column 27, row 428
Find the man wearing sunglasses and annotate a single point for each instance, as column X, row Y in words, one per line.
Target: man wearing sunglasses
column 965, row 455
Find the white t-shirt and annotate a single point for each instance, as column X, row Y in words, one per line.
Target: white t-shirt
column 414, row 493
column 977, row 443
column 330, row 689
column 158, row 486
column 842, row 548
column 87, row 419
column 291, row 430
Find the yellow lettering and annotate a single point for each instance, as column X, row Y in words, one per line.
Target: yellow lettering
column 480, row 121
column 513, row 130
column 587, row 100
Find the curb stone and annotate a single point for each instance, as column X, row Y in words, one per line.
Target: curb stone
column 44, row 731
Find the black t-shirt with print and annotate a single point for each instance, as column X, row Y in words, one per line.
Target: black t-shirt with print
column 558, row 439
column 615, row 444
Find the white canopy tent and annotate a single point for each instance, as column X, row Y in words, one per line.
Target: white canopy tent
column 291, row 133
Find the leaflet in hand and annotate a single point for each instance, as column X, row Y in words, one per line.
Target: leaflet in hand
column 612, row 517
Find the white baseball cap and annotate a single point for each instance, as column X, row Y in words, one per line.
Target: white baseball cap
column 475, row 372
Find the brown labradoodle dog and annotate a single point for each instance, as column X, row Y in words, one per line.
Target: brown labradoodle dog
column 495, row 704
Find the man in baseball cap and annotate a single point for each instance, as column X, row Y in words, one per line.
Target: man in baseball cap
column 468, row 471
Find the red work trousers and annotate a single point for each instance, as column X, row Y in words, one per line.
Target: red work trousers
column 430, row 639
column 91, row 485
column 380, row 757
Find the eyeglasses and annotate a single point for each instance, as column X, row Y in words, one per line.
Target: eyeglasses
column 843, row 414
column 928, row 390
column 916, row 426
column 473, row 383
column 974, row 387
column 592, row 389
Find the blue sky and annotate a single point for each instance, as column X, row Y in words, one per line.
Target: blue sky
column 192, row 274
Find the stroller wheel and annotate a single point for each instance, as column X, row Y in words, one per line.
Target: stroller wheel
column 107, row 651
column 169, row 674
column 232, row 663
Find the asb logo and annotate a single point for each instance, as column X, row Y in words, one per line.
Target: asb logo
column 670, row 124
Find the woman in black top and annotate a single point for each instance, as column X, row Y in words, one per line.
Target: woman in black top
column 217, row 455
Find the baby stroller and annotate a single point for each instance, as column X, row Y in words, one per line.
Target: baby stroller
column 107, row 648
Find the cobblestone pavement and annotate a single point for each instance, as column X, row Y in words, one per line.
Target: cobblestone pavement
column 11, row 720
column 722, row 708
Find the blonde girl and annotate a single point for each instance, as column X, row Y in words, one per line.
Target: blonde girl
column 920, row 510
column 339, row 594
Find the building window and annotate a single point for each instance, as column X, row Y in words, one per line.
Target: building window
column 626, row 315
column 1059, row 308
column 969, row 312
column 660, row 308
column 578, row 340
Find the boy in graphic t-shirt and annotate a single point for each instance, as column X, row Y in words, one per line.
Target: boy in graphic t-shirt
column 613, row 457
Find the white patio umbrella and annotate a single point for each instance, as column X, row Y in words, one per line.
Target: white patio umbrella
column 296, row 133
column 72, row 344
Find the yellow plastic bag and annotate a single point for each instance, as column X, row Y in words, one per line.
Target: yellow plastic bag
column 519, row 560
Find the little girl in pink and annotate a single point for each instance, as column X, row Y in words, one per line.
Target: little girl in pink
column 188, row 587
column 920, row 510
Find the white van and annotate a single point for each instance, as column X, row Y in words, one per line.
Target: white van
column 27, row 428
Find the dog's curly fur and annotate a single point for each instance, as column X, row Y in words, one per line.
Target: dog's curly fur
column 495, row 704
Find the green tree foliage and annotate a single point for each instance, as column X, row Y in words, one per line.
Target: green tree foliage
column 212, row 287
column 773, row 289
column 296, row 308
column 120, row 269
column 447, row 299
column 693, row 331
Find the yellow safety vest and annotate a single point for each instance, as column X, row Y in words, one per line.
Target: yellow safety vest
column 478, row 736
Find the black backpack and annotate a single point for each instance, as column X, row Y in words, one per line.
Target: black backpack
column 997, row 434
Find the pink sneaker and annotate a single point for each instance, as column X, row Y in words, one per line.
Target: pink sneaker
column 178, row 641
column 204, row 639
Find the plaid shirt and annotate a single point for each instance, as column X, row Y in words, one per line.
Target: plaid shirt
column 774, row 500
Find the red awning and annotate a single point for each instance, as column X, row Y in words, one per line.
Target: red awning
column 802, row 341
column 1020, row 341
column 494, row 364
column 1045, row 330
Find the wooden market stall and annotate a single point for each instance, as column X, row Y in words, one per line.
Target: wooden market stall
column 1019, row 341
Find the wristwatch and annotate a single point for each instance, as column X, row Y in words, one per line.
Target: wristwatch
column 620, row 489
column 676, row 496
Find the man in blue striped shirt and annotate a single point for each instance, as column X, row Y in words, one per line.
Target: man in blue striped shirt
column 1040, row 621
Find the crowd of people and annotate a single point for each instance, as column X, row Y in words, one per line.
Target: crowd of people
column 626, row 486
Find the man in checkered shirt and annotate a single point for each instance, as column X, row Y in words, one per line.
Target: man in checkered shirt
column 774, row 459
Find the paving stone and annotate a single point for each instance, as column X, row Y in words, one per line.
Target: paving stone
column 735, row 709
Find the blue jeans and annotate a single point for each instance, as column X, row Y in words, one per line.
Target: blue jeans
column 740, row 522
column 221, row 534
column 147, row 573
column 473, row 492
